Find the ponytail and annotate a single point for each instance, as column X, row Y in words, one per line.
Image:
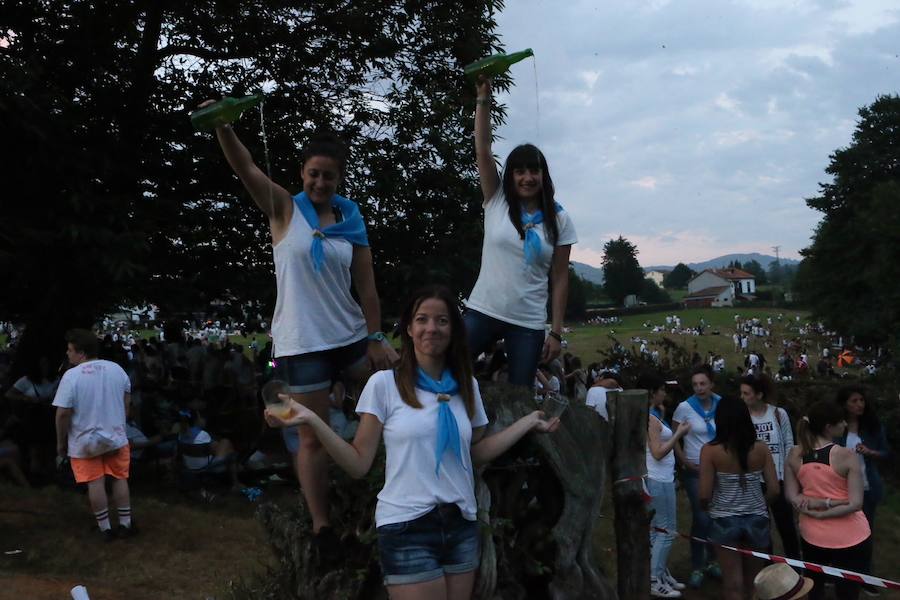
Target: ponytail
column 820, row 415
column 805, row 436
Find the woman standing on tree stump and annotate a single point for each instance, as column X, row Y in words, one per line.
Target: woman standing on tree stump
column 430, row 413
column 319, row 331
column 527, row 239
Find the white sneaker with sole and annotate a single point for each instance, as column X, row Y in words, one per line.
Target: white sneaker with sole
column 673, row 583
column 659, row 589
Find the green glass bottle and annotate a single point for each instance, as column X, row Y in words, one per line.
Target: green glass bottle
column 226, row 110
column 496, row 64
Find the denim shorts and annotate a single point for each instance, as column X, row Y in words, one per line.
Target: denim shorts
column 315, row 371
column 437, row 543
column 745, row 531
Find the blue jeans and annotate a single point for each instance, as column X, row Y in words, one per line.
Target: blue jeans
column 441, row 541
column 700, row 520
column 662, row 501
column 523, row 346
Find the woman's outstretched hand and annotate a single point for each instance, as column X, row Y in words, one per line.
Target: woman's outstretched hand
column 298, row 415
column 542, row 425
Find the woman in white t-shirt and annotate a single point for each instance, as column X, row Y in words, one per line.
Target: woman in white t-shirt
column 430, row 413
column 699, row 411
column 320, row 332
column 773, row 426
column 34, row 391
column 527, row 241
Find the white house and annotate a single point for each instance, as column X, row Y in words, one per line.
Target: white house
column 656, row 276
column 709, row 289
column 744, row 283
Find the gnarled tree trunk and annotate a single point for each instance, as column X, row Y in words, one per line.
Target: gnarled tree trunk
column 538, row 504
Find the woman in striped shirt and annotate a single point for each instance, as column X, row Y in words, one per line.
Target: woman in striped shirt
column 732, row 468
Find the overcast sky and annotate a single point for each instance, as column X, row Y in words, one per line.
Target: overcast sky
column 694, row 128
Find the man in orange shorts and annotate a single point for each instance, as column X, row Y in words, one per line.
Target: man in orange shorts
column 92, row 401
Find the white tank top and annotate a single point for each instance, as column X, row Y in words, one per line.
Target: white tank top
column 661, row 470
column 313, row 311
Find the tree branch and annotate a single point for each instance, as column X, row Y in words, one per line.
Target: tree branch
column 176, row 49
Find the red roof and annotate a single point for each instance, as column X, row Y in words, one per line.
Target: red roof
column 732, row 273
column 710, row 292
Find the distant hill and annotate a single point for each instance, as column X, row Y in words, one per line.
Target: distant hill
column 588, row 273
column 722, row 261
column 595, row 275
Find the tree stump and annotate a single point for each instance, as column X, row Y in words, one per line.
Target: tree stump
column 538, row 504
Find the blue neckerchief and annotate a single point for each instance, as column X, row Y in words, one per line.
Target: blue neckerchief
column 658, row 414
column 708, row 416
column 447, row 428
column 532, row 245
column 352, row 228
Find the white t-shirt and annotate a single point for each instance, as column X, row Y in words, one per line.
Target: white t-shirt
column 313, row 311
column 95, row 391
column 661, row 470
column 596, row 397
column 697, row 437
column 411, row 488
column 135, row 435
column 853, row 440
column 39, row 391
column 507, row 288
column 195, row 437
column 774, row 429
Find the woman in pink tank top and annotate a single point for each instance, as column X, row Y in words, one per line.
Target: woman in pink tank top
column 824, row 483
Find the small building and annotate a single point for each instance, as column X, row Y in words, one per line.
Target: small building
column 715, row 296
column 744, row 283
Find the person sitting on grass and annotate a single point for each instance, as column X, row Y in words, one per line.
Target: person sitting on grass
column 222, row 457
column 430, row 413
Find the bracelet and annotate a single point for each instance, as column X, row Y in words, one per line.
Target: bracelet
column 555, row 336
column 483, row 101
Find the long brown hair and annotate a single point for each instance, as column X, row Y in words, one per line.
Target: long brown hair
column 457, row 358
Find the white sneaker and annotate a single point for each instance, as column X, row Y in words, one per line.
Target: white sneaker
column 659, row 589
column 673, row 583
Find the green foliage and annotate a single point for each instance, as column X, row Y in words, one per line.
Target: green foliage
column 112, row 196
column 622, row 275
column 578, row 296
column 756, row 269
column 652, row 293
column 850, row 272
column 678, row 277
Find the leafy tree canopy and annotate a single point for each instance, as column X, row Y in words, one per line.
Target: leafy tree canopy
column 678, row 277
column 111, row 197
column 622, row 274
column 850, row 271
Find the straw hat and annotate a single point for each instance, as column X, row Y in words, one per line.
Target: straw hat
column 780, row 582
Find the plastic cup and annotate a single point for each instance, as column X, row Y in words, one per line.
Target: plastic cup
column 275, row 405
column 554, row 405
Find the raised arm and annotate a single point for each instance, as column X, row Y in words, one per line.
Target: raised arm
column 271, row 198
column 356, row 458
column 484, row 156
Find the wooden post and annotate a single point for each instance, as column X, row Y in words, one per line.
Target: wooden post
column 628, row 423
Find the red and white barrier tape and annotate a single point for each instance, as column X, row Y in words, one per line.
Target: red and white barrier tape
column 800, row 564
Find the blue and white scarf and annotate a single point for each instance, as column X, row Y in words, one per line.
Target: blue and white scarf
column 447, row 428
column 532, row 245
column 352, row 228
column 709, row 416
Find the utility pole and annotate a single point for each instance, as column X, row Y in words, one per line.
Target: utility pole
column 777, row 256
